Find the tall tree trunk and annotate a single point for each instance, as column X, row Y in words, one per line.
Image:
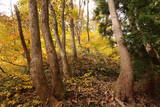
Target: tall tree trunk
column 66, row 68
column 11, row 9
column 74, row 50
column 38, row 76
column 63, row 4
column 79, row 23
column 26, row 51
column 88, row 35
column 57, row 84
column 78, row 26
column 124, row 85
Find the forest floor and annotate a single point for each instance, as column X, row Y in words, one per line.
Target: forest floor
column 91, row 86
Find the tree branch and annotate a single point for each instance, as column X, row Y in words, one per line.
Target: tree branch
column 12, row 63
column 2, row 70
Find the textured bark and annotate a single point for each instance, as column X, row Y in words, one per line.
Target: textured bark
column 57, row 84
column 124, row 84
column 63, row 25
column 66, row 68
column 74, row 50
column 26, row 51
column 38, row 76
column 88, row 35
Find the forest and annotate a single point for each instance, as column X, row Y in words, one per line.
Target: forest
column 80, row 53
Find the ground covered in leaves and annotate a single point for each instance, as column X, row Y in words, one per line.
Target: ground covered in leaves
column 91, row 86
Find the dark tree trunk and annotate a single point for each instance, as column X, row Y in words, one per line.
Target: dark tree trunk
column 74, row 50
column 63, row 25
column 88, row 35
column 26, row 51
column 66, row 68
column 38, row 76
column 57, row 84
column 124, row 84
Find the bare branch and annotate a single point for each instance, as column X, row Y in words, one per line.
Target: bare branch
column 2, row 70
column 12, row 63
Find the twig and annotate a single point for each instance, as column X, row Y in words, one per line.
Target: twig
column 120, row 102
column 2, row 70
column 12, row 63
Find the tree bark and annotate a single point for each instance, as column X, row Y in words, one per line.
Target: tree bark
column 124, row 84
column 74, row 50
column 38, row 76
column 26, row 50
column 88, row 35
column 63, row 4
column 57, row 84
column 66, row 68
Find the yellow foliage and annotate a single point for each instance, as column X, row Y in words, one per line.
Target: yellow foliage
column 2, row 105
column 97, row 44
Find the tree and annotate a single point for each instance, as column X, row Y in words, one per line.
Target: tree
column 124, row 84
column 66, row 68
column 26, row 50
column 144, row 36
column 88, row 20
column 101, row 15
column 57, row 84
column 140, row 25
column 74, row 50
column 38, row 76
column 79, row 21
column 63, row 24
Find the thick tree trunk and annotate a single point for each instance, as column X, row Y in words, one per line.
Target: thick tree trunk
column 38, row 76
column 74, row 50
column 88, row 35
column 124, row 85
column 66, row 68
column 57, row 84
column 26, row 51
column 63, row 4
